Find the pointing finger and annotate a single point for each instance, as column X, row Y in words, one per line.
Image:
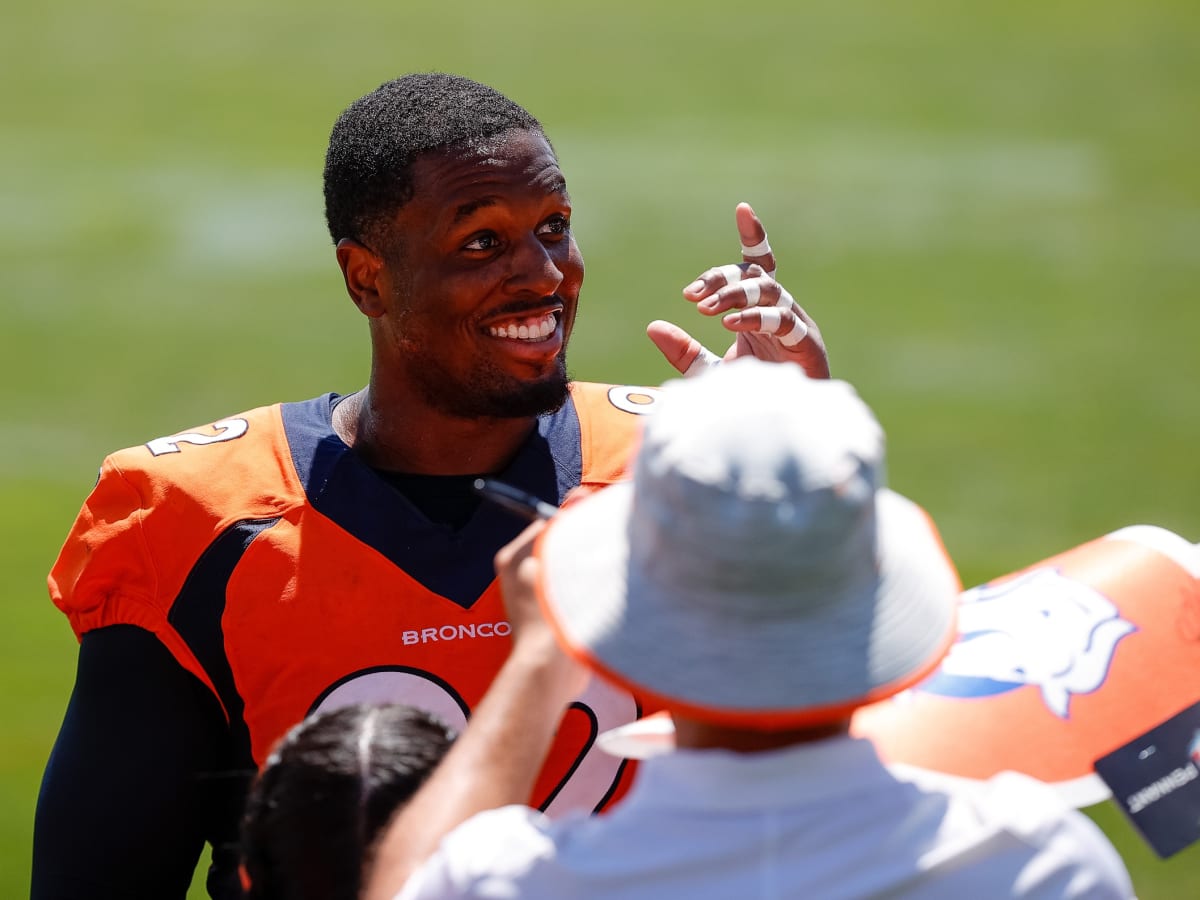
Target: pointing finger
column 755, row 246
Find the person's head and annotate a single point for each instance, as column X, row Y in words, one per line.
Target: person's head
column 452, row 224
column 755, row 575
column 330, row 784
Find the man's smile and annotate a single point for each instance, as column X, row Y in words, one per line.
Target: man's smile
column 534, row 328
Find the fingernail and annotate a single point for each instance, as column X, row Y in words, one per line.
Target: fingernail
column 697, row 285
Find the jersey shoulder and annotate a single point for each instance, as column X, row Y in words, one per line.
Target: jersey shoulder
column 610, row 425
column 156, row 507
column 207, row 477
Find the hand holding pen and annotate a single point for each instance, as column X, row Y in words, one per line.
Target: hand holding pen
column 514, row 499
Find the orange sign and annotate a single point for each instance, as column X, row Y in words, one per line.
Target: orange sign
column 1057, row 665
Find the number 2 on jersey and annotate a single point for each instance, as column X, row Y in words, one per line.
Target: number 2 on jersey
column 581, row 782
column 226, row 430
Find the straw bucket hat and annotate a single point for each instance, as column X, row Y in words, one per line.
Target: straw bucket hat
column 755, row 571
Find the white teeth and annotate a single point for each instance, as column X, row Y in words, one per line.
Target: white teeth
column 527, row 331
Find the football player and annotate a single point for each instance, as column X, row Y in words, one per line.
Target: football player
column 229, row 580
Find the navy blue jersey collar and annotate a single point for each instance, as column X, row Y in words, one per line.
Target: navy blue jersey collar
column 455, row 564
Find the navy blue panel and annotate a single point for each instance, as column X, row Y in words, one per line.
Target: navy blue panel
column 561, row 434
column 196, row 614
column 454, row 564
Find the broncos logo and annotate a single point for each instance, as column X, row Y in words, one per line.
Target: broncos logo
column 1041, row 629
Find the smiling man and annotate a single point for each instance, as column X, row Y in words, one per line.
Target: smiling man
column 229, row 580
column 471, row 293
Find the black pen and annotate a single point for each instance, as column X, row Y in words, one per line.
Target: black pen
column 514, row 499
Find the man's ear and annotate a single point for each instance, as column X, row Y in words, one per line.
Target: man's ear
column 361, row 268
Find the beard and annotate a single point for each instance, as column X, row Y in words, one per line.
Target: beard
column 485, row 392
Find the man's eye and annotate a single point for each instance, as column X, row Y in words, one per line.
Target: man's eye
column 555, row 225
column 483, row 242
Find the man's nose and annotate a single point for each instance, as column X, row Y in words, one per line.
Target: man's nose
column 535, row 267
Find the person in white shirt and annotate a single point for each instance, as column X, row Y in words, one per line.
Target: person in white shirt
column 757, row 580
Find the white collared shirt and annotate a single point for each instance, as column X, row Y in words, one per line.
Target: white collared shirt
column 823, row 820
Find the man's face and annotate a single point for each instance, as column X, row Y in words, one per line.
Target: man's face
column 484, row 278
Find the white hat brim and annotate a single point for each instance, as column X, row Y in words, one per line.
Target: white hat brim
column 861, row 647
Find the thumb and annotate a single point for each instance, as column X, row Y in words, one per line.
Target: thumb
column 680, row 349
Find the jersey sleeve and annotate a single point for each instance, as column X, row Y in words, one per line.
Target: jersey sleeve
column 156, row 510
column 105, row 573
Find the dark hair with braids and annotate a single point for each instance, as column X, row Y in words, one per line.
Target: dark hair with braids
column 326, row 791
column 368, row 166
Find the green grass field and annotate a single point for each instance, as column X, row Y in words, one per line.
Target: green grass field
column 993, row 210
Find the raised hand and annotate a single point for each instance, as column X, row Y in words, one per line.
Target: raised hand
column 768, row 322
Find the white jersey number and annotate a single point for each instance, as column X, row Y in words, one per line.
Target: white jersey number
column 226, row 430
column 592, row 777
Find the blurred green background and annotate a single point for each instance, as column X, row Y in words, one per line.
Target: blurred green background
column 992, row 208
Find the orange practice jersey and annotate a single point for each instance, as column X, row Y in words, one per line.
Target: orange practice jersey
column 289, row 577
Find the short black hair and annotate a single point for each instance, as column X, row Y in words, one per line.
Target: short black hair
column 368, row 166
column 317, row 808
